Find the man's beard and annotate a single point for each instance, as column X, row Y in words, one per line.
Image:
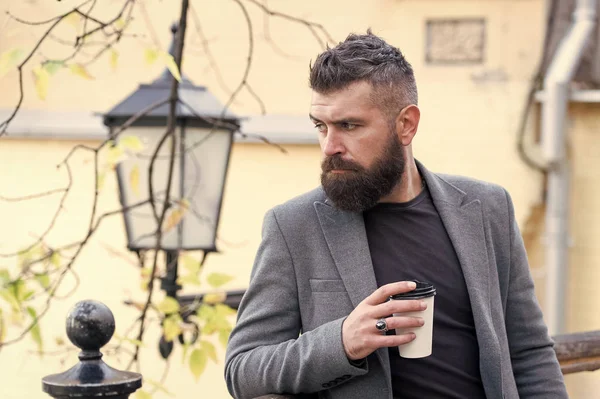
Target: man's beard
column 359, row 188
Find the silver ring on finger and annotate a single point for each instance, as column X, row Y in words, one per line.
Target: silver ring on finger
column 381, row 326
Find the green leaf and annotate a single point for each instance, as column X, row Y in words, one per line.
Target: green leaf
column 9, row 296
column 55, row 259
column 114, row 58
column 132, row 143
column 205, row 312
column 134, row 180
column 9, row 59
column 101, row 180
column 168, row 305
column 141, row 394
column 4, row 276
column 43, row 279
column 190, row 263
column 151, row 55
column 35, row 330
column 26, row 295
column 212, row 298
column 53, row 66
column 191, row 279
column 197, row 362
column 41, row 79
column 172, row 327
column 224, row 310
column 210, row 350
column 17, row 288
column 218, row 279
column 224, row 337
column 171, row 65
column 80, row 70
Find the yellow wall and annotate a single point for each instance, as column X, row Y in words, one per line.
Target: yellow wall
column 584, row 257
column 468, row 127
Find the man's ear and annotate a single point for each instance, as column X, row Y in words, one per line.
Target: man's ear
column 407, row 123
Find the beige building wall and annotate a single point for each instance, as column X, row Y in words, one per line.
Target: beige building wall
column 470, row 115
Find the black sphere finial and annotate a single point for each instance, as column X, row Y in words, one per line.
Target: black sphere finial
column 90, row 325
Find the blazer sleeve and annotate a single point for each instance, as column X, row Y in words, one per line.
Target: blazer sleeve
column 535, row 366
column 266, row 353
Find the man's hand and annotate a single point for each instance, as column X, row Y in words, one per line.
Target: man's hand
column 359, row 334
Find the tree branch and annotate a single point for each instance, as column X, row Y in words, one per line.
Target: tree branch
column 171, row 125
column 312, row 26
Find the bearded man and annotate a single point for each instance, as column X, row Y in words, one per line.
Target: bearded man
column 316, row 320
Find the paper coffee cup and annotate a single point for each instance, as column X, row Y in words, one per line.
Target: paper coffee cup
column 421, row 345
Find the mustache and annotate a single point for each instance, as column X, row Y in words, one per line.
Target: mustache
column 337, row 162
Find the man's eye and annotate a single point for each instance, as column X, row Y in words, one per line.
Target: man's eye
column 320, row 127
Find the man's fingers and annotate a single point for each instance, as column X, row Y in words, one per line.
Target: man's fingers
column 382, row 293
column 397, row 306
column 403, row 322
column 394, row 340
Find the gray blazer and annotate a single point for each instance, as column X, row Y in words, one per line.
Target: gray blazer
column 313, row 268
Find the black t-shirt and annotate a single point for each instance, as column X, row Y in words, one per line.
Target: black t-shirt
column 409, row 241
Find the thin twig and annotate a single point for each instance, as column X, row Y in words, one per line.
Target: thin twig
column 312, row 26
column 269, row 39
column 209, row 56
column 33, row 196
column 171, row 125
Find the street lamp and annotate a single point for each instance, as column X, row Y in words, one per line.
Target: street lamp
column 204, row 136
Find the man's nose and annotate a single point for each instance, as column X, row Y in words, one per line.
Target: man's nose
column 332, row 144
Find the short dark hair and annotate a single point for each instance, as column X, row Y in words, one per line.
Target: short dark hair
column 367, row 58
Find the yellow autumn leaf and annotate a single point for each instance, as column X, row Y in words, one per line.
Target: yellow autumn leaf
column 172, row 327
column 41, row 79
column 151, row 55
column 218, row 279
column 114, row 156
column 215, row 297
column 73, row 19
column 168, row 305
column 101, row 180
column 55, row 259
column 131, row 143
column 114, row 58
column 210, row 350
column 190, row 263
column 134, row 180
column 80, row 70
column 141, row 394
column 120, row 23
column 174, row 217
column 171, row 65
column 224, row 336
column 9, row 59
column 198, row 362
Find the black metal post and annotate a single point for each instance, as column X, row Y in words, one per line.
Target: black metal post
column 90, row 326
column 169, row 281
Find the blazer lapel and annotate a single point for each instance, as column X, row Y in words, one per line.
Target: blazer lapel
column 465, row 227
column 347, row 241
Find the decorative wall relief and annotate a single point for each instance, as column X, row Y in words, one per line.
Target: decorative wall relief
column 455, row 41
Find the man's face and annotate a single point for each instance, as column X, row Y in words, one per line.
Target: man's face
column 363, row 158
